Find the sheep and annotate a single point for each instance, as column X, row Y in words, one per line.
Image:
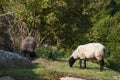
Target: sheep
column 87, row 52
column 28, row 46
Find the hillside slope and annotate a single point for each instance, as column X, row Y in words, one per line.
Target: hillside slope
column 44, row 69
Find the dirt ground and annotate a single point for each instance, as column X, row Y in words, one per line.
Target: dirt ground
column 58, row 75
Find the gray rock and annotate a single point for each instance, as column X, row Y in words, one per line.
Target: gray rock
column 10, row 59
column 6, row 78
column 117, row 77
column 70, row 78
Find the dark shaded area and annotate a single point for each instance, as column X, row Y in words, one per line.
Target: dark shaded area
column 21, row 73
column 31, row 54
column 5, row 41
column 113, row 7
column 115, row 66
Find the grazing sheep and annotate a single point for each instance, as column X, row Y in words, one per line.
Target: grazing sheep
column 28, row 46
column 87, row 52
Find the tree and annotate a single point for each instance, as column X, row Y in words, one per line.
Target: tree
column 106, row 30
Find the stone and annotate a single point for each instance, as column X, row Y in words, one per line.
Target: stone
column 6, row 78
column 70, row 78
column 10, row 59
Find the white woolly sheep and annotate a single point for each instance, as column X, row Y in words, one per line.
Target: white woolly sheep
column 87, row 52
column 28, row 46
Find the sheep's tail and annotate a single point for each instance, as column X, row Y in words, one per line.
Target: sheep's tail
column 104, row 53
column 104, row 50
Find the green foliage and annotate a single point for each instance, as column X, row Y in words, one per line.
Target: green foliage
column 49, row 53
column 101, row 30
column 106, row 30
column 113, row 58
column 4, row 6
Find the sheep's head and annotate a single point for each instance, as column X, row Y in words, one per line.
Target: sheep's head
column 71, row 61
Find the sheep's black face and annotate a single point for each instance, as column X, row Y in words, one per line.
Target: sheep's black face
column 71, row 61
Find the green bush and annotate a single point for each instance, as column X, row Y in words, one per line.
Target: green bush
column 114, row 57
column 49, row 53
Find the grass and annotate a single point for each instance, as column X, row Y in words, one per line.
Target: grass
column 51, row 70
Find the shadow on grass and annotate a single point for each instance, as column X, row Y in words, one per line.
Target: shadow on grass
column 26, row 73
column 90, row 68
column 115, row 66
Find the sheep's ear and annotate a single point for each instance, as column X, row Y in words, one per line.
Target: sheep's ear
column 71, row 61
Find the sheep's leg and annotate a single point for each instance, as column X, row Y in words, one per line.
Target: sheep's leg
column 85, row 63
column 101, row 65
column 80, row 63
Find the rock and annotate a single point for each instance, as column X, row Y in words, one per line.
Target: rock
column 10, row 59
column 70, row 78
column 6, row 78
column 117, row 77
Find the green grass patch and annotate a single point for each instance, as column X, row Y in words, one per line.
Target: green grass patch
column 52, row 70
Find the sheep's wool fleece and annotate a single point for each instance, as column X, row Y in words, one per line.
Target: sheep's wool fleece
column 29, row 43
column 89, row 51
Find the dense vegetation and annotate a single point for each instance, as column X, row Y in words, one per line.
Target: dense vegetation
column 67, row 24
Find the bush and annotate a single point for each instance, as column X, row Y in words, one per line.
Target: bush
column 112, row 55
column 48, row 53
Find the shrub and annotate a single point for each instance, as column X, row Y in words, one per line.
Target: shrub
column 48, row 53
